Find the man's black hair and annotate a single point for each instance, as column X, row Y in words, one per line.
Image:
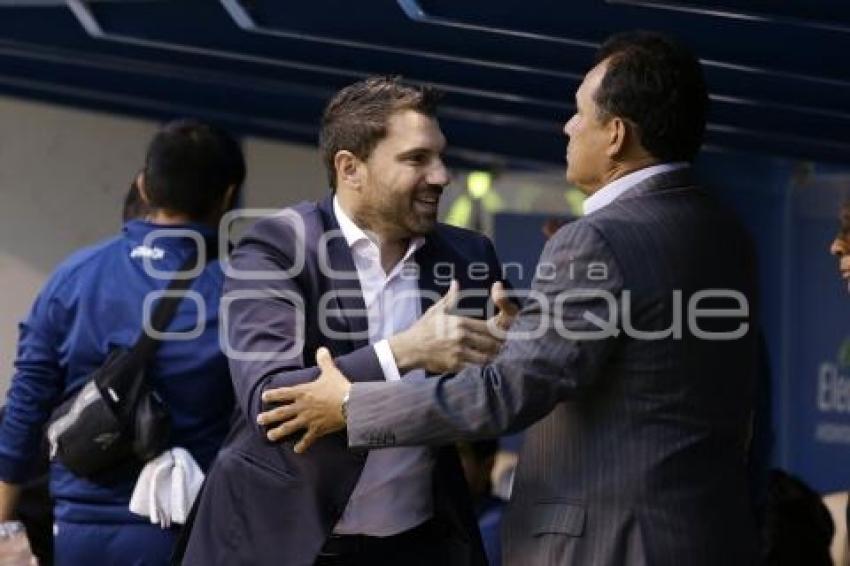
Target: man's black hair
column 189, row 167
column 656, row 84
column 134, row 206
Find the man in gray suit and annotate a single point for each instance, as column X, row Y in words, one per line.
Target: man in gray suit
column 632, row 363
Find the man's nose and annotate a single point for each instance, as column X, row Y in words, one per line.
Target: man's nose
column 568, row 126
column 838, row 247
column 439, row 174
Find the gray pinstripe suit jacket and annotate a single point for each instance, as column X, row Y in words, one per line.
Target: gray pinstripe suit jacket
column 635, row 449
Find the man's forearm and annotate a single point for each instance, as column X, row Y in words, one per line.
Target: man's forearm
column 9, row 494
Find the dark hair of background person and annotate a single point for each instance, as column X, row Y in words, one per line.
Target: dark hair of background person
column 844, row 222
column 797, row 527
column 356, row 117
column 657, row 85
column 190, row 165
column 134, row 206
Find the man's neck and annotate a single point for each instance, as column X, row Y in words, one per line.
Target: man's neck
column 619, row 170
column 165, row 217
column 391, row 247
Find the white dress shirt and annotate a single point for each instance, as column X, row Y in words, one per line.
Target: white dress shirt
column 610, row 192
column 393, row 493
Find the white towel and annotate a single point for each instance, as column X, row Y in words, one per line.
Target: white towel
column 167, row 487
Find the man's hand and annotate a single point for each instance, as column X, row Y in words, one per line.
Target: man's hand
column 441, row 342
column 507, row 309
column 314, row 406
column 9, row 495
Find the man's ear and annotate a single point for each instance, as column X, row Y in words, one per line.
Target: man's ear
column 140, row 185
column 618, row 133
column 349, row 170
column 228, row 200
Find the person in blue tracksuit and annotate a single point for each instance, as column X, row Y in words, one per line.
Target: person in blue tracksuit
column 93, row 303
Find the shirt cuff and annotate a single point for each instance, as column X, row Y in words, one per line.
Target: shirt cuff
column 387, row 361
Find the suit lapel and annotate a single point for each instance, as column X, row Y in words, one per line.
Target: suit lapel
column 427, row 258
column 344, row 280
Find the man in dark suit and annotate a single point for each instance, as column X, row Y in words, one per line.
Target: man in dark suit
column 352, row 273
column 632, row 364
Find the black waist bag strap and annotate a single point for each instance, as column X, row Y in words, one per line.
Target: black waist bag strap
column 117, row 415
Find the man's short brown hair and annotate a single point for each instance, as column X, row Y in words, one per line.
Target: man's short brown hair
column 356, row 117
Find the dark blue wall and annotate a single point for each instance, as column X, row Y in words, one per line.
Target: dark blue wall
column 791, row 209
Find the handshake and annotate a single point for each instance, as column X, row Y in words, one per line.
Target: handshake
column 443, row 342
column 439, row 342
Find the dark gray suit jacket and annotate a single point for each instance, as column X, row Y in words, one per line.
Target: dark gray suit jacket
column 635, row 451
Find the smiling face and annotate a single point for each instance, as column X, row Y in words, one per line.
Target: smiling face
column 403, row 178
column 840, row 247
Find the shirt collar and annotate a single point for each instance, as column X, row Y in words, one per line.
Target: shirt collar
column 153, row 240
column 357, row 239
column 613, row 190
column 352, row 233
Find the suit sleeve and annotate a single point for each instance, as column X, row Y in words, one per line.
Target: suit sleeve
column 557, row 347
column 265, row 322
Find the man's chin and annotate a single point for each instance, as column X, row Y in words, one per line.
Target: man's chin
column 423, row 226
column 574, row 182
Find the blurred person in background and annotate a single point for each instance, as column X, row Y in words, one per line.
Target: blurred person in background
column 92, row 304
column 34, row 506
column 840, row 247
column 134, row 205
column 838, row 503
column 797, row 529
